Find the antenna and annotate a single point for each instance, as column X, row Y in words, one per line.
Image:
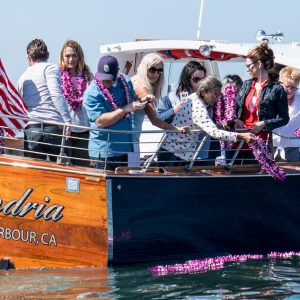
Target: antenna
column 200, row 19
column 261, row 36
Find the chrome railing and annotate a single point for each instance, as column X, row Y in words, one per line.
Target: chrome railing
column 144, row 159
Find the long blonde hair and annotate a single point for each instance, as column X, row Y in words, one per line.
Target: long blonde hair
column 147, row 62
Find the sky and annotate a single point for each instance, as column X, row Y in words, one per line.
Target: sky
column 97, row 22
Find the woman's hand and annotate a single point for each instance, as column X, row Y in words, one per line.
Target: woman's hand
column 177, row 107
column 134, row 106
column 258, row 127
column 183, row 129
column 247, row 137
column 239, row 124
column 148, row 98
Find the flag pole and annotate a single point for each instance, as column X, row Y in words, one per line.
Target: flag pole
column 200, row 19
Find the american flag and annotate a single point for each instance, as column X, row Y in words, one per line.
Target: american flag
column 11, row 104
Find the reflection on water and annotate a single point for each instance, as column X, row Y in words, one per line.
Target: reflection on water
column 265, row 279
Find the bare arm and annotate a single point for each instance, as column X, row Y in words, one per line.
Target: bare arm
column 110, row 118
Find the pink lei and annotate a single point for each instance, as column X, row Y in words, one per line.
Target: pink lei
column 225, row 110
column 297, row 133
column 264, row 157
column 110, row 97
column 74, row 95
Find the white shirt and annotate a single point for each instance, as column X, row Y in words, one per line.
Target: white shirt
column 289, row 129
column 194, row 113
column 40, row 88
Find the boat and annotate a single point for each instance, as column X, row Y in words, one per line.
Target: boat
column 53, row 214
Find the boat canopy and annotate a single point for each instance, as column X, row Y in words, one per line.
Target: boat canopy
column 285, row 54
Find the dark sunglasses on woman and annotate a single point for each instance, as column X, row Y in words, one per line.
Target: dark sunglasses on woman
column 196, row 79
column 155, row 70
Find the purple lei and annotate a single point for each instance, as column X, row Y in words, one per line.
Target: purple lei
column 110, row 97
column 73, row 95
column 263, row 156
column 225, row 109
column 215, row 263
column 202, row 265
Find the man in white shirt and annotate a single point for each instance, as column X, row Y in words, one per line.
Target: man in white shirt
column 40, row 88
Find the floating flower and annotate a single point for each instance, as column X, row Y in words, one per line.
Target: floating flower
column 215, row 263
column 283, row 254
column 202, row 265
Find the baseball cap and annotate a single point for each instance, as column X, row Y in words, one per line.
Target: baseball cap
column 108, row 68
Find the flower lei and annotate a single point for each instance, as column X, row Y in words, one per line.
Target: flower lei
column 110, row 97
column 297, row 133
column 225, row 113
column 263, row 156
column 73, row 95
column 215, row 263
column 225, row 110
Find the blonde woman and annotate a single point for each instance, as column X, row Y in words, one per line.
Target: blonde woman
column 288, row 149
column 75, row 78
column 149, row 80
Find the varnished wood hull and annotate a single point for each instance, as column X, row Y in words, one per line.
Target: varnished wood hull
column 56, row 216
column 77, row 238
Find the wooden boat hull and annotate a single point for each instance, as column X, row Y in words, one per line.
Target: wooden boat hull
column 56, row 216
column 63, row 228
column 191, row 217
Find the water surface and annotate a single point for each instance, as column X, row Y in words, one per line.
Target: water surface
column 264, row 279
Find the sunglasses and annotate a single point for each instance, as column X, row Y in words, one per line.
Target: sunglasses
column 196, row 79
column 153, row 70
column 249, row 65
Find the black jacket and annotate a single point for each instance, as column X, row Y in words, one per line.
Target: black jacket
column 273, row 104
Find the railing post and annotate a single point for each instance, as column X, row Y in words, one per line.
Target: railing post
column 237, row 151
column 148, row 164
column 62, row 146
column 197, row 152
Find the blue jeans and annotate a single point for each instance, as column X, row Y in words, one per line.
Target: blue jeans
column 42, row 133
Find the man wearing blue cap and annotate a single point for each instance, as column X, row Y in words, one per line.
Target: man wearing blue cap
column 109, row 102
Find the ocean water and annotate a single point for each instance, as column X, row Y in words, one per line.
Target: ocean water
column 261, row 279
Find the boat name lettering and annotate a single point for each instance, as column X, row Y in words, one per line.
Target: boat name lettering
column 18, row 208
column 28, row 236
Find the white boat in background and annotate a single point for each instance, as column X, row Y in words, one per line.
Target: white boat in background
column 177, row 52
column 210, row 52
